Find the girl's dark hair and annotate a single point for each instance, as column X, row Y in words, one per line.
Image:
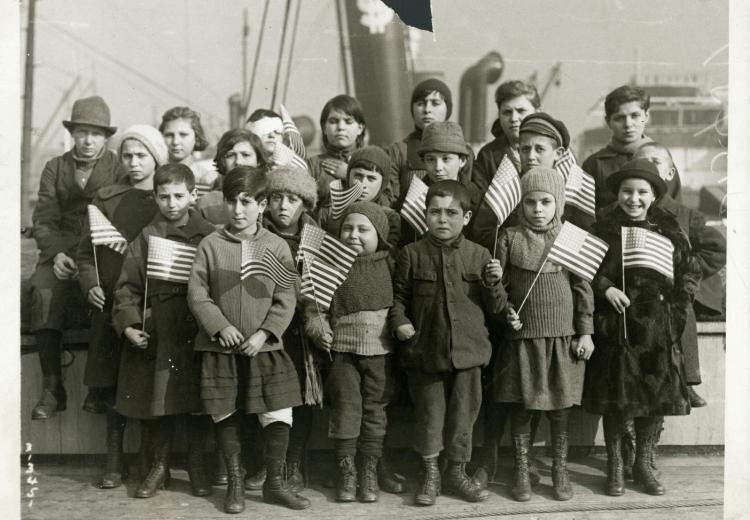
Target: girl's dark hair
column 347, row 105
column 622, row 95
column 231, row 138
column 513, row 89
column 174, row 172
column 449, row 188
column 245, row 179
column 260, row 113
column 201, row 143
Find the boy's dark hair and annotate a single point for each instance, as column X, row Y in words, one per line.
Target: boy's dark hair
column 174, row 172
column 201, row 143
column 513, row 89
column 449, row 188
column 622, row 95
column 231, row 138
column 260, row 113
column 347, row 105
column 245, row 179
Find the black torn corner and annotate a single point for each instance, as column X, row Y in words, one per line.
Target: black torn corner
column 415, row 13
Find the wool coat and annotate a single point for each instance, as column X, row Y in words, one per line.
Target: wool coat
column 641, row 374
column 161, row 379
column 438, row 288
column 405, row 162
column 128, row 210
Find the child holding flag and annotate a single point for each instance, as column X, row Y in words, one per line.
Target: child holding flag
column 123, row 209
column 541, row 367
column 244, row 366
column 159, row 372
column 642, row 292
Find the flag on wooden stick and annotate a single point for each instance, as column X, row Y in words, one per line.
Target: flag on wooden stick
column 342, row 198
column 504, row 192
column 580, row 190
column 578, row 251
column 292, row 135
column 320, row 280
column 415, row 203
column 319, row 244
column 169, row 260
column 255, row 262
column 103, row 233
column 643, row 248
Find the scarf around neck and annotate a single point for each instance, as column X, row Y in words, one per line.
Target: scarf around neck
column 87, row 162
column 530, row 243
column 368, row 287
column 630, row 148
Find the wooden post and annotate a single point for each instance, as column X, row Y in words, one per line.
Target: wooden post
column 28, row 102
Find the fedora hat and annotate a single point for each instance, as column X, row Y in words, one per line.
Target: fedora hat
column 91, row 111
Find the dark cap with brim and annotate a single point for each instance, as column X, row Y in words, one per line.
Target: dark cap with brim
column 638, row 169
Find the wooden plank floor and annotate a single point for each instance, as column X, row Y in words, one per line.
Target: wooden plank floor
column 694, row 492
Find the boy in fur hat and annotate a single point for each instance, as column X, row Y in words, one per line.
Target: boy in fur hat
column 356, row 333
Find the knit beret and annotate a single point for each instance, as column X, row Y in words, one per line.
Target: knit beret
column 443, row 136
column 544, row 124
column 149, row 137
column 433, row 85
column 294, row 180
column 375, row 214
column 547, row 180
column 639, row 169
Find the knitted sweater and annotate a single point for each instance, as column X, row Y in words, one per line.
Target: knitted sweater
column 560, row 304
column 218, row 299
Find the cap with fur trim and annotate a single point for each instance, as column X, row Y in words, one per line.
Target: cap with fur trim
column 639, row 169
column 443, row 136
column 149, row 137
column 291, row 179
column 544, row 124
column 375, row 214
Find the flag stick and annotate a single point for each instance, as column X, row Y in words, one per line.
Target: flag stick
column 624, row 316
column 145, row 299
column 315, row 298
column 96, row 266
column 494, row 248
column 532, row 283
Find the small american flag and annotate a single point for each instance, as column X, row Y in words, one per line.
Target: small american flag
column 169, row 260
column 578, row 251
column 201, row 189
column 284, row 156
column 643, row 248
column 255, row 262
column 291, row 133
column 319, row 244
column 565, row 163
column 415, row 203
column 320, row 281
column 580, row 190
column 504, row 192
column 342, row 198
column 103, row 233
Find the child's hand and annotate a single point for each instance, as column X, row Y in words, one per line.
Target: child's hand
column 582, row 347
column 252, row 345
column 96, row 297
column 137, row 338
column 617, row 299
column 230, row 337
column 493, row 272
column 334, row 167
column 324, row 341
column 405, row 332
column 64, row 267
column 512, row 319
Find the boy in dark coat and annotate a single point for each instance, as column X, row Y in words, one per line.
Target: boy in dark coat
column 158, row 375
column 440, row 301
column 68, row 184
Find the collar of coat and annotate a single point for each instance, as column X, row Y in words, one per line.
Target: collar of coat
column 231, row 237
column 195, row 225
column 455, row 243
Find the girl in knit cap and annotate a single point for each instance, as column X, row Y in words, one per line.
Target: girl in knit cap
column 542, row 367
column 637, row 372
column 356, row 333
column 342, row 123
column 370, row 166
column 431, row 101
column 128, row 207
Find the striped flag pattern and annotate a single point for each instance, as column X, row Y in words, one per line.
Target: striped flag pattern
column 284, row 156
column 415, row 203
column 342, row 198
column 291, row 133
column 578, row 251
column 319, row 244
column 256, row 263
column 320, row 281
column 643, row 248
column 103, row 233
column 565, row 163
column 169, row 260
column 202, row 189
column 504, row 192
